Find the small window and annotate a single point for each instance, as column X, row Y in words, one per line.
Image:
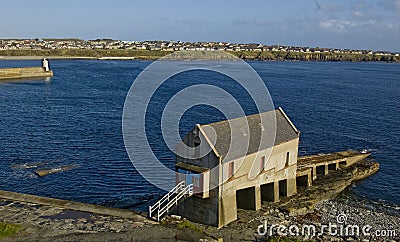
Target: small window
column 262, row 163
column 196, row 180
column 287, row 159
column 230, row 169
column 196, row 144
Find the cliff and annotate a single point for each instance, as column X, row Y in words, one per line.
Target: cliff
column 312, row 56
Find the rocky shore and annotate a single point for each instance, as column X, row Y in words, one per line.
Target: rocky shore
column 42, row 223
column 317, row 206
column 51, row 223
column 346, row 212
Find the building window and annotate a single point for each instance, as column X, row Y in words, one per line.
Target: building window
column 287, row 159
column 230, row 169
column 262, row 163
column 196, row 181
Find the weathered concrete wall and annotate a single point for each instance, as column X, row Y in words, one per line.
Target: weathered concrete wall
column 276, row 169
column 20, row 73
column 201, row 210
column 227, row 208
column 274, row 163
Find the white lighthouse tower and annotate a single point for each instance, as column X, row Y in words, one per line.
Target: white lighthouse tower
column 45, row 65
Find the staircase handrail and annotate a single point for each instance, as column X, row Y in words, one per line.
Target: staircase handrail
column 187, row 191
column 177, row 189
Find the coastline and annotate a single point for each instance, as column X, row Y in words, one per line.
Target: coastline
column 44, row 219
column 120, row 54
column 42, row 222
column 148, row 58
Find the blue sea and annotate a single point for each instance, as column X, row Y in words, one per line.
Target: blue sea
column 75, row 119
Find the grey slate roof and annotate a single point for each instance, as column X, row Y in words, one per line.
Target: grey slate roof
column 258, row 135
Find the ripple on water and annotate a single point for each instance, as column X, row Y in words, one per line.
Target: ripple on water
column 77, row 116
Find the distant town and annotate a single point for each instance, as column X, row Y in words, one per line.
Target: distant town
column 109, row 44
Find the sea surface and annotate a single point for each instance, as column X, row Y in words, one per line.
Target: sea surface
column 75, row 119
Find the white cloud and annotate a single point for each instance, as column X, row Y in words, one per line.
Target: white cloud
column 345, row 26
column 336, row 25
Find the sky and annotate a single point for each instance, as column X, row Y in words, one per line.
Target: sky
column 347, row 24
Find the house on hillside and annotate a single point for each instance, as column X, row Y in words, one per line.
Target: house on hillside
column 225, row 180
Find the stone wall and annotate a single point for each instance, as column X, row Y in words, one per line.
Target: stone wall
column 201, row 210
column 20, row 73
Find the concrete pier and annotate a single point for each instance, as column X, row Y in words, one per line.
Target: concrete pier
column 319, row 165
column 76, row 206
column 23, row 73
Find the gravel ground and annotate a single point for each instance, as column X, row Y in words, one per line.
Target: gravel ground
column 375, row 222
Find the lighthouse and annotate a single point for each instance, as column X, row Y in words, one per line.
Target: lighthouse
column 45, row 65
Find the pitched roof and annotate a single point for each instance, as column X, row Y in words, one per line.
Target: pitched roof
column 258, row 133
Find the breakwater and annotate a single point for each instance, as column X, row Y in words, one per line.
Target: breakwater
column 21, row 73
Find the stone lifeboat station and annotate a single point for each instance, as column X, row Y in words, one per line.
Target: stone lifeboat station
column 265, row 173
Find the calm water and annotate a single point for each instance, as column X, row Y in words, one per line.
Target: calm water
column 75, row 118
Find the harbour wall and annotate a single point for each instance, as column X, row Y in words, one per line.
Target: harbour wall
column 26, row 72
column 71, row 205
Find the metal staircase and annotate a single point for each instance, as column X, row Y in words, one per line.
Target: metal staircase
column 170, row 199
